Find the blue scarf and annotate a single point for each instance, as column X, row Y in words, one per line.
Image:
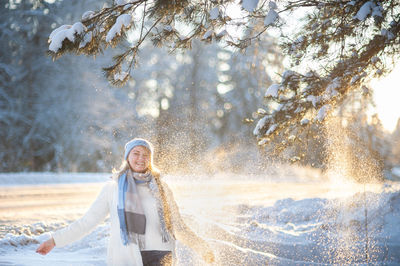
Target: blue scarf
column 130, row 211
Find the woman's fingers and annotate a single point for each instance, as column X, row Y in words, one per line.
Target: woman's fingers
column 46, row 247
column 42, row 249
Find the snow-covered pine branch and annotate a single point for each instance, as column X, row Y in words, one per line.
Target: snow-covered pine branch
column 157, row 21
column 338, row 46
column 341, row 45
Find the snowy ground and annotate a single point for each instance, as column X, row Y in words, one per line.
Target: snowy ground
column 289, row 217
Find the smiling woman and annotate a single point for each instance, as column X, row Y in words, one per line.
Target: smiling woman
column 386, row 96
column 145, row 220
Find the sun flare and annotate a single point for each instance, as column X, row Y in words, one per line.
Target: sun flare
column 386, row 96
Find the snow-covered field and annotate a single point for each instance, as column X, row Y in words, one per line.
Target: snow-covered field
column 288, row 217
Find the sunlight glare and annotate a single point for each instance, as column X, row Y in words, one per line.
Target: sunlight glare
column 386, row 96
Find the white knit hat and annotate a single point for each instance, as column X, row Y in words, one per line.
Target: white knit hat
column 138, row 142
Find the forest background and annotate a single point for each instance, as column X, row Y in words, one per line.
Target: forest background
column 199, row 108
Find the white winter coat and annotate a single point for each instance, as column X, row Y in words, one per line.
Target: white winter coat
column 117, row 253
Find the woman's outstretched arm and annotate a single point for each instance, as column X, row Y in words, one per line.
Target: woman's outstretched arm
column 83, row 226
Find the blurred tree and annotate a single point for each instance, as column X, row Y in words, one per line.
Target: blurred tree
column 49, row 120
column 395, row 140
column 243, row 79
column 23, row 26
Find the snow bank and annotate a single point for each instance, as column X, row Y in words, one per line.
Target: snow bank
column 322, row 230
column 13, row 179
column 23, row 239
column 20, row 250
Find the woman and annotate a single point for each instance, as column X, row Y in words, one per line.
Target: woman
column 145, row 220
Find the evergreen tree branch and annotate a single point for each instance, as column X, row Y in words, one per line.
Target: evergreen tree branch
column 336, row 49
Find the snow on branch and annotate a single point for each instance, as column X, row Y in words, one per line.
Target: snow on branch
column 123, row 20
column 157, row 21
column 69, row 32
column 338, row 46
column 272, row 91
column 369, row 8
column 308, row 97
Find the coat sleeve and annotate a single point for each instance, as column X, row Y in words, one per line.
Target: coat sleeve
column 181, row 231
column 83, row 226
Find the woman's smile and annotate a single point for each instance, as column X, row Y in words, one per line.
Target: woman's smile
column 139, row 159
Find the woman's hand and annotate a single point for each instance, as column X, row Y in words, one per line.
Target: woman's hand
column 46, row 247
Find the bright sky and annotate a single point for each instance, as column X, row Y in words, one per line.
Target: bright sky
column 387, row 98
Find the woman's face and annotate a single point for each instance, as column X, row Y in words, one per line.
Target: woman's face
column 139, row 159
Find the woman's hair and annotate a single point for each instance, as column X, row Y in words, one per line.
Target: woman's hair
column 116, row 173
